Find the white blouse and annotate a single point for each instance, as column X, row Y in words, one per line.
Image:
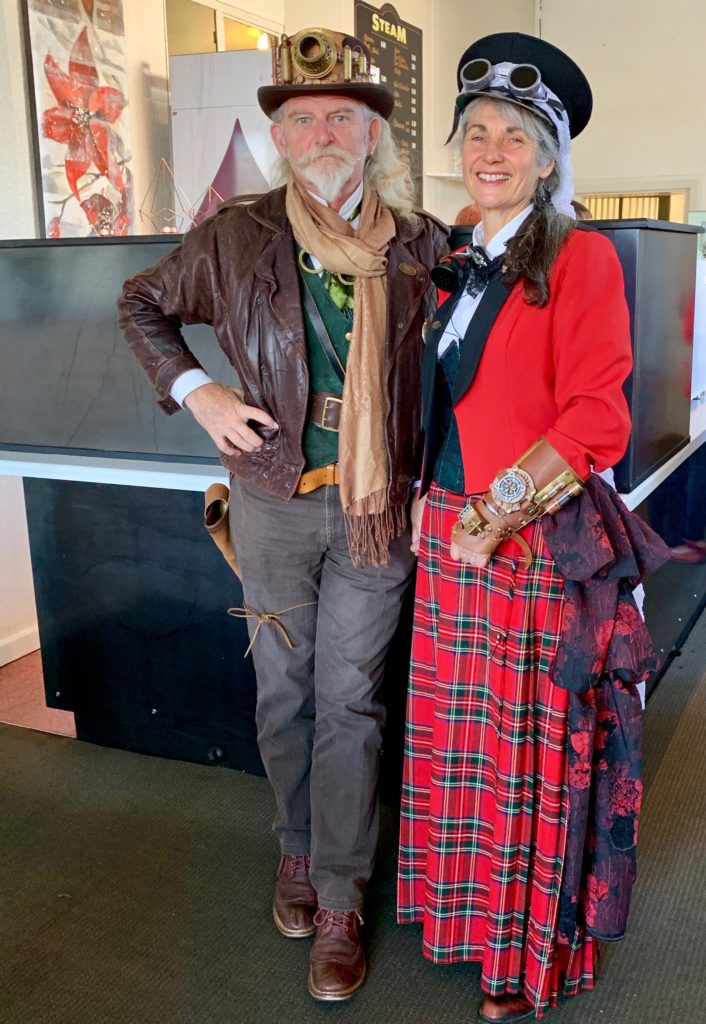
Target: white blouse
column 468, row 304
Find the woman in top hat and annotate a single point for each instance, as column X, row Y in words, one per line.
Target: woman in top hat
column 523, row 711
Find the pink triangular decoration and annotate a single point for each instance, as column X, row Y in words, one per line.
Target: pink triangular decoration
column 238, row 175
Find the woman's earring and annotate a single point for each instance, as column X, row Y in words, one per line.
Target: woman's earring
column 542, row 195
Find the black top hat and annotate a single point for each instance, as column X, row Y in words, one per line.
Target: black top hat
column 317, row 61
column 558, row 71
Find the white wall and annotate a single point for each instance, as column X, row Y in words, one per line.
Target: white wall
column 17, row 214
column 18, row 616
column 638, row 138
column 455, row 25
column 148, row 99
column 641, row 135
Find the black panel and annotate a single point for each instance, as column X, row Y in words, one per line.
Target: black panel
column 64, row 358
column 659, row 264
column 131, row 598
column 676, row 594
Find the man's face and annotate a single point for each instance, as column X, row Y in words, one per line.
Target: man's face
column 326, row 140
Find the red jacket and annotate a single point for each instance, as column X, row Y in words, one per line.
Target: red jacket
column 557, row 371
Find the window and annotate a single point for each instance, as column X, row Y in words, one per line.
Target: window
column 655, row 206
column 199, row 26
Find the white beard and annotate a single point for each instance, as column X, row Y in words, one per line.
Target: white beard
column 327, row 180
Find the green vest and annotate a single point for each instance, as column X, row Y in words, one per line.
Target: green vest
column 321, row 446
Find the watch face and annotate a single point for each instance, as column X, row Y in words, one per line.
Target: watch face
column 511, row 488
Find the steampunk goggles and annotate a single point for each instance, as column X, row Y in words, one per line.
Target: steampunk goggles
column 523, row 81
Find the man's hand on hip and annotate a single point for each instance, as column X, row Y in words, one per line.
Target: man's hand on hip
column 225, row 417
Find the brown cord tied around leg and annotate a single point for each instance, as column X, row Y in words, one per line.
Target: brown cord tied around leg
column 266, row 617
column 217, row 525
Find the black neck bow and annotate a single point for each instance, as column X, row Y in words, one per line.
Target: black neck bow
column 481, row 269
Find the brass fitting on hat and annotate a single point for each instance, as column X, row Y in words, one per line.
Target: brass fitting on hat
column 285, row 60
column 320, row 56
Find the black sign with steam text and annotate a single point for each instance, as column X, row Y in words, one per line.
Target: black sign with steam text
column 396, row 51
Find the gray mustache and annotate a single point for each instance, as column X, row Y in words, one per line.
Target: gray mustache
column 327, row 151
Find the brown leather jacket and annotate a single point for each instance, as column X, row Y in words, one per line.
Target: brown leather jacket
column 237, row 272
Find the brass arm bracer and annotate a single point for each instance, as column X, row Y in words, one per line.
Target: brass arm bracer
column 539, row 483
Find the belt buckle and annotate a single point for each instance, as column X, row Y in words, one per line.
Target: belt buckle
column 329, row 400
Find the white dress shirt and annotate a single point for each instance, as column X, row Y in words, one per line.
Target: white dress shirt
column 468, row 304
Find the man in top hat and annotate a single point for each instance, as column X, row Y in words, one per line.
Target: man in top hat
column 317, row 293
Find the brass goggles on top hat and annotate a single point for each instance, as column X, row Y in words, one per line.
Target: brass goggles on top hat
column 319, row 55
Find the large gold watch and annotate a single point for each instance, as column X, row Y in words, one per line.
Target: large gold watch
column 512, row 489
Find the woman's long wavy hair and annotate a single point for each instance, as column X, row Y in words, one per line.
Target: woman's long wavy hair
column 385, row 171
column 532, row 252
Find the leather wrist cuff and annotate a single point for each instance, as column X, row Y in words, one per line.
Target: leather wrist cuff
column 540, row 482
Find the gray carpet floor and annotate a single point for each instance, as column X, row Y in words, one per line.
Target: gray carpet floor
column 135, row 890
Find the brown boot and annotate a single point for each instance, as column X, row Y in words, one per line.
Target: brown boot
column 295, row 901
column 337, row 959
column 505, row 1009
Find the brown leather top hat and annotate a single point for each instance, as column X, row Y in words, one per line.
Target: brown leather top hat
column 319, row 61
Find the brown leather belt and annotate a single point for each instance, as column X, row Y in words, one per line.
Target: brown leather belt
column 325, row 410
column 315, row 478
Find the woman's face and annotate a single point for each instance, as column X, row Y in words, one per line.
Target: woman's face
column 500, row 163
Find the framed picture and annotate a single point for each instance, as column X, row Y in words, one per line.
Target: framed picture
column 76, row 65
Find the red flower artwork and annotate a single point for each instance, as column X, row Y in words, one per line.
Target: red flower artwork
column 104, row 217
column 84, row 115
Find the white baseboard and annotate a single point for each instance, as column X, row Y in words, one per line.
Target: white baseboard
column 18, row 644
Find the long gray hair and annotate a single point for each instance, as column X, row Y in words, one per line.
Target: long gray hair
column 532, row 252
column 385, row 171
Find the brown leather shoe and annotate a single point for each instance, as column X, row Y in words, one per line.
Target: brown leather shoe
column 505, row 1009
column 295, row 901
column 337, row 958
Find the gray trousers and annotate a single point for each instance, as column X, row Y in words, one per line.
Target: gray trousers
column 319, row 714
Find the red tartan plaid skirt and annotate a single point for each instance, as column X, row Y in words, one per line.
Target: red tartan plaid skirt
column 485, row 794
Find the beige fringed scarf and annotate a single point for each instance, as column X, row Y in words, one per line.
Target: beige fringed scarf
column 362, row 449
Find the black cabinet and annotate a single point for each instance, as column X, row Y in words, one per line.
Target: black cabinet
column 659, row 264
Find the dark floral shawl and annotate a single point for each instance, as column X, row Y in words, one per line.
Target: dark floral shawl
column 602, row 551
